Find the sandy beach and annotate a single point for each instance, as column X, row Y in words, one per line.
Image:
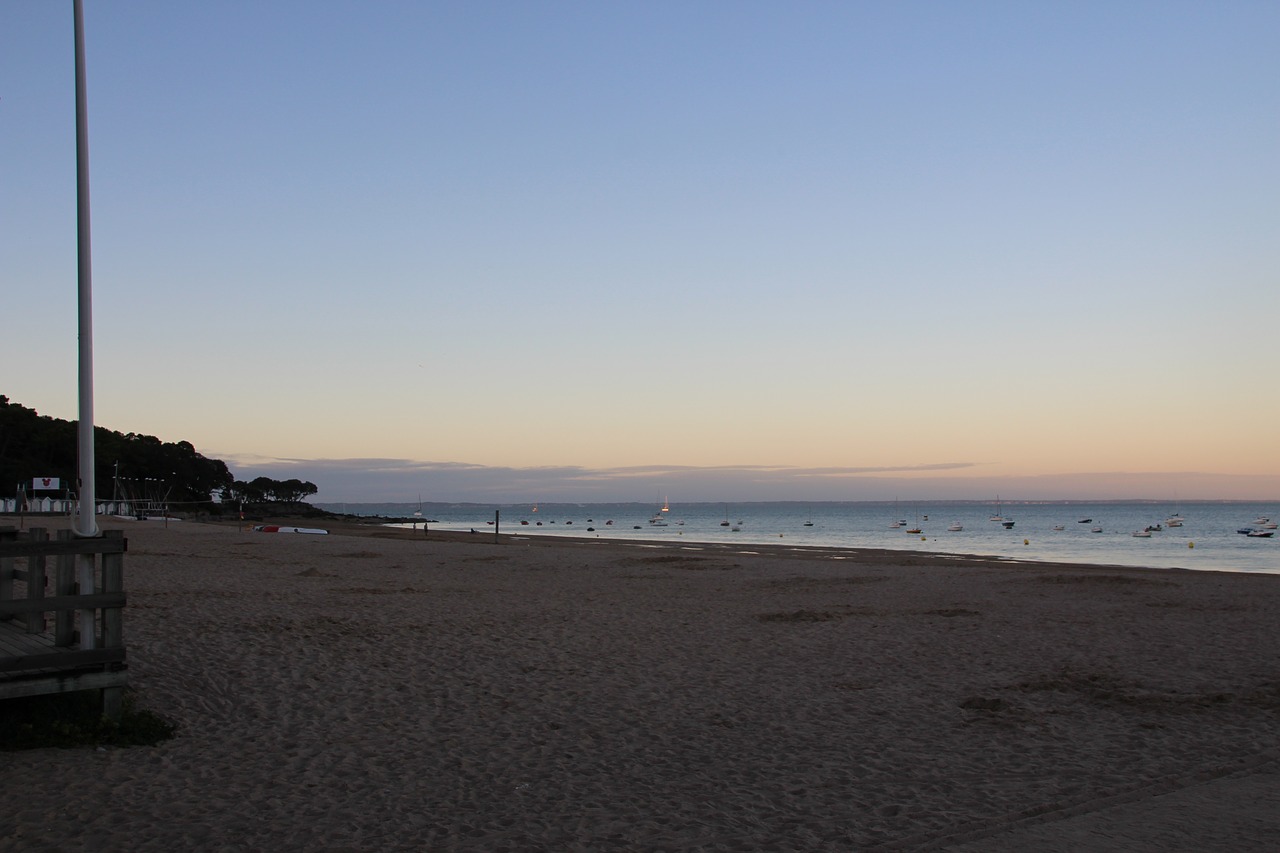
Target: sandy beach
column 375, row 689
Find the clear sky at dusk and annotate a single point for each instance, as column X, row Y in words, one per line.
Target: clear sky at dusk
column 588, row 250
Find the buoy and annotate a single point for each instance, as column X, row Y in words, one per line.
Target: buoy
column 1191, row 544
column 1026, row 541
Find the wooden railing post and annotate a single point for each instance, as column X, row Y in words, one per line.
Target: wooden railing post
column 64, row 583
column 36, row 567
column 113, row 581
column 113, row 620
column 6, row 565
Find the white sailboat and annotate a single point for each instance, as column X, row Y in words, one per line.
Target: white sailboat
column 917, row 528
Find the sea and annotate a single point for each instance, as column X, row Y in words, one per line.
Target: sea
column 1071, row 532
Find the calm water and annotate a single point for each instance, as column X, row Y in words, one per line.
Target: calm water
column 1207, row 540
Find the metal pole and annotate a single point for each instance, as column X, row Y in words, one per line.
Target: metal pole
column 87, row 522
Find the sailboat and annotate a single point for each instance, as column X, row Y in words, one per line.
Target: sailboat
column 1006, row 522
column 725, row 523
column 916, row 529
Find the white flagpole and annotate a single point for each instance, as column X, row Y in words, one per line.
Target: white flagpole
column 86, row 522
column 86, row 519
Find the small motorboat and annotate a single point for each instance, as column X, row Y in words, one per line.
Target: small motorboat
column 1261, row 534
column 1142, row 534
column 1095, row 529
column 1059, row 527
column 1007, row 524
column 1084, row 521
column 955, row 527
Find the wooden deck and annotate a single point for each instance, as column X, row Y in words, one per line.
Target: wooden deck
column 62, row 631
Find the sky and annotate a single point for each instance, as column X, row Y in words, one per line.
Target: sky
column 616, row 251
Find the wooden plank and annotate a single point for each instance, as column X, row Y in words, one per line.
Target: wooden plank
column 63, row 683
column 62, row 602
column 15, row 641
column 96, row 545
column 62, row 659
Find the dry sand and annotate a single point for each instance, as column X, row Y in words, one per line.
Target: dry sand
column 393, row 692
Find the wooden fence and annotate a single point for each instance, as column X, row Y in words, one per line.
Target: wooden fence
column 82, row 646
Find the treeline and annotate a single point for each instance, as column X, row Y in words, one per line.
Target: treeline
column 266, row 490
column 127, row 466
